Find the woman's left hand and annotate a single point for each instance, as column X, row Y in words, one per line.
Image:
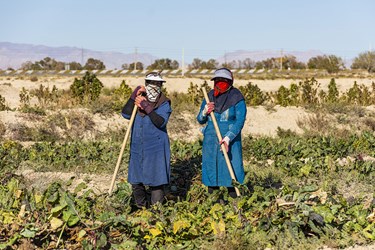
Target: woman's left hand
column 138, row 101
column 225, row 142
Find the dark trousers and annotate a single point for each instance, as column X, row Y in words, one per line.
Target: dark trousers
column 140, row 194
column 231, row 191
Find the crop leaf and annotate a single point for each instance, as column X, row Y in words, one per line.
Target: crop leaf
column 180, row 224
column 56, row 223
column 218, row 227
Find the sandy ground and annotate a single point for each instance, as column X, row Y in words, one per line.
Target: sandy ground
column 259, row 120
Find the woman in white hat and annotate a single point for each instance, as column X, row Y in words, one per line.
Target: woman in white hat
column 149, row 163
column 229, row 108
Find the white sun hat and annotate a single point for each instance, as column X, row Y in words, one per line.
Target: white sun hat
column 154, row 76
column 224, row 73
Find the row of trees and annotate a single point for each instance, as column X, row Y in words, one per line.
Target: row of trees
column 331, row 63
column 51, row 64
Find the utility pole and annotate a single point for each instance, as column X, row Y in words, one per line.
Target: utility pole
column 183, row 62
column 135, row 63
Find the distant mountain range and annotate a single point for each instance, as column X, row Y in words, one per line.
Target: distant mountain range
column 13, row 55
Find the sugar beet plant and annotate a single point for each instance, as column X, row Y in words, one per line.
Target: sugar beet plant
column 304, row 211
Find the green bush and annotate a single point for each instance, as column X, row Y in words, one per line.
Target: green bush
column 253, row 94
column 3, row 105
column 86, row 89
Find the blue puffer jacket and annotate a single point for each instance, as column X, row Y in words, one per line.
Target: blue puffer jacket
column 150, row 150
column 214, row 168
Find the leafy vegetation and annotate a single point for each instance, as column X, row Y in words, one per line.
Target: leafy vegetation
column 365, row 60
column 3, row 105
column 86, row 89
column 295, row 201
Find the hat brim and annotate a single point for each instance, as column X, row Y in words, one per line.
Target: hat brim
column 221, row 77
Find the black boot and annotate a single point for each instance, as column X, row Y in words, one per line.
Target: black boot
column 232, row 192
column 139, row 194
column 157, row 194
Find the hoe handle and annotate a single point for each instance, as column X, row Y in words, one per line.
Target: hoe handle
column 122, row 148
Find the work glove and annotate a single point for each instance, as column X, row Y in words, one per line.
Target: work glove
column 208, row 108
column 225, row 141
column 143, row 104
column 138, row 91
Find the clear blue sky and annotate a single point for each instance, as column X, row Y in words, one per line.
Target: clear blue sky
column 204, row 28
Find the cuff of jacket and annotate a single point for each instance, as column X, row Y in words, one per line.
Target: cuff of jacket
column 230, row 135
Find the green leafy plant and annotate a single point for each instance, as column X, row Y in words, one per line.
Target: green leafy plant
column 253, row 94
column 86, row 89
column 3, row 105
column 45, row 96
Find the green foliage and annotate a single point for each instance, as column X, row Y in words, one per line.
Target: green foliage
column 253, row 94
column 188, row 101
column 86, row 89
column 199, row 64
column 333, row 93
column 331, row 63
column 121, row 95
column 24, row 97
column 309, row 89
column 45, row 96
column 304, row 210
column 3, row 105
column 163, row 64
column 46, row 64
column 283, row 96
column 94, row 64
column 359, row 95
column 195, row 93
column 132, row 66
column 365, row 60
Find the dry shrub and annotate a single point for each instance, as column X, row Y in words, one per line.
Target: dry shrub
column 317, row 123
column 21, row 132
column 72, row 124
column 34, row 79
column 105, row 105
column 370, row 123
column 178, row 124
column 320, row 124
column 65, row 100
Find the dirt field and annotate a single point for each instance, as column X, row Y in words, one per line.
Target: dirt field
column 260, row 121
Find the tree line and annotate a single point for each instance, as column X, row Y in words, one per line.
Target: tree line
column 331, row 63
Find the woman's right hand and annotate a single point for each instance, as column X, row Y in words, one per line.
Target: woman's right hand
column 208, row 108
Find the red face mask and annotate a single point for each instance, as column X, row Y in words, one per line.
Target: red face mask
column 220, row 87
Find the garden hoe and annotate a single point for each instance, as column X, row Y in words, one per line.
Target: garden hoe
column 229, row 165
column 122, row 148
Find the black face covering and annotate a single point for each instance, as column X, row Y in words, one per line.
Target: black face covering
column 226, row 100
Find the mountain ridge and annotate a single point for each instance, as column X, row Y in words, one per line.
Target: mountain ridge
column 13, row 55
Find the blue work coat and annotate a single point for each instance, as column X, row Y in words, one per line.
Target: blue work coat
column 214, row 168
column 150, row 153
